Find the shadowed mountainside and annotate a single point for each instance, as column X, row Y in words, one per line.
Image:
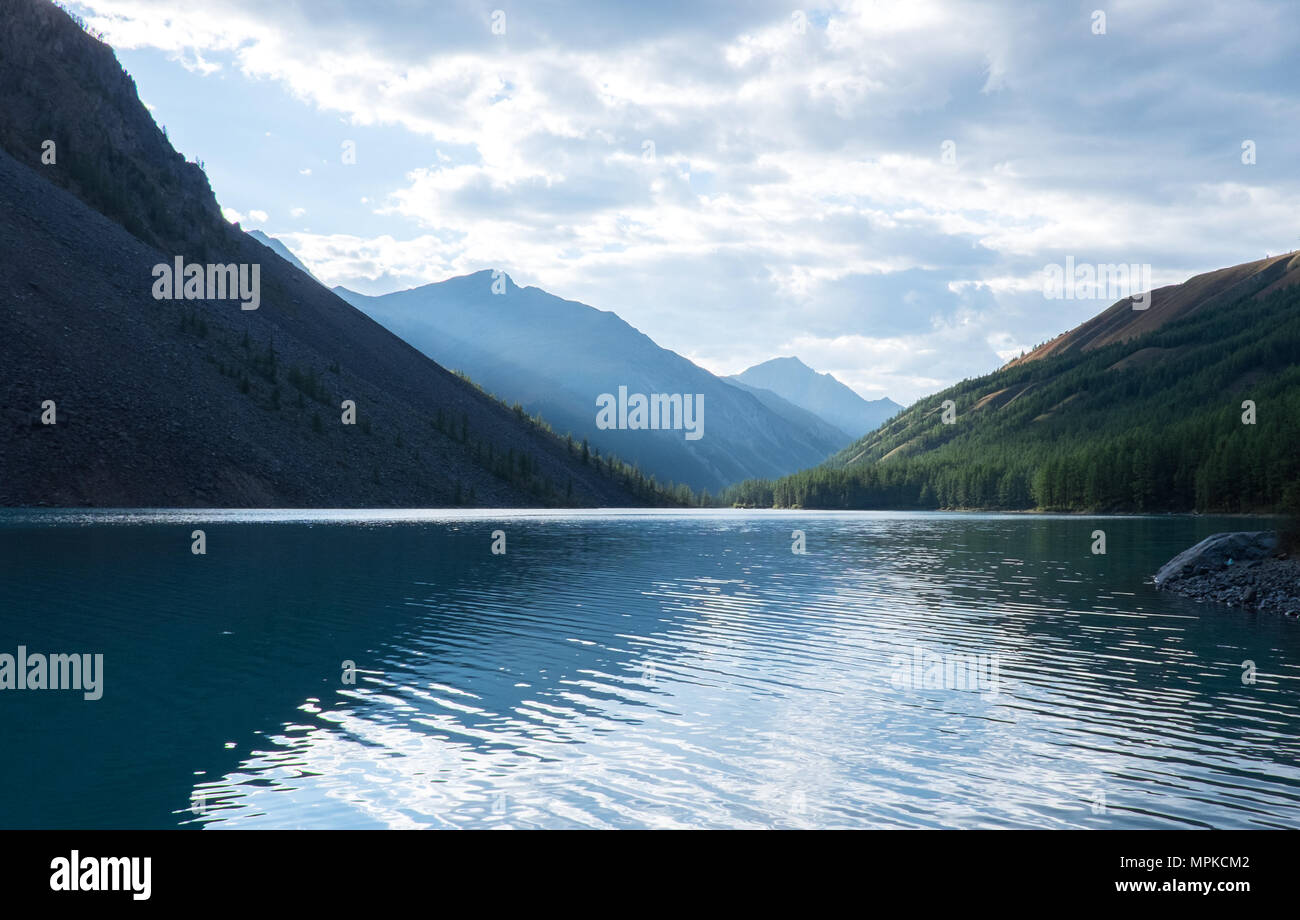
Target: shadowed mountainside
column 197, row 402
column 59, row 84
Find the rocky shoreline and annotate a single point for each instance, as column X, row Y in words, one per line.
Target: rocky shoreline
column 1246, row 570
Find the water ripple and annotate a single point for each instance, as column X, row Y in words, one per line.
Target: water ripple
column 641, row 669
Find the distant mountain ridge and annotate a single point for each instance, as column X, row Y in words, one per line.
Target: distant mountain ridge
column 820, row 394
column 788, row 410
column 556, row 356
column 280, row 250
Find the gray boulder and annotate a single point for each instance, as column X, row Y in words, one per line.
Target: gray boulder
column 1214, row 552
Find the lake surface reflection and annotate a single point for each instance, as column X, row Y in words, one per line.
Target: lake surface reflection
column 631, row 669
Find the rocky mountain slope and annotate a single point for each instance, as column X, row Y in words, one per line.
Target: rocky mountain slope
column 198, row 402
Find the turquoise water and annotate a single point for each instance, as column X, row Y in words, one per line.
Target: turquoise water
column 631, row 669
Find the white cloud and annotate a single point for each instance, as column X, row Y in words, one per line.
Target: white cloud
column 796, row 197
column 245, row 218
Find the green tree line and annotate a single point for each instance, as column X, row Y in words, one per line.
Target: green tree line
column 1092, row 431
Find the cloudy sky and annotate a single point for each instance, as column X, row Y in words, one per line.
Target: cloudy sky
column 875, row 187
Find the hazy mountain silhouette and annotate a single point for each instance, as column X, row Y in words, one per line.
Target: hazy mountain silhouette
column 556, row 356
column 820, row 394
column 280, row 250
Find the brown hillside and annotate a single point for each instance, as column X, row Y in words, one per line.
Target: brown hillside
column 1120, row 322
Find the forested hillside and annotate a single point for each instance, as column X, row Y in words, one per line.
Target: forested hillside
column 1152, row 423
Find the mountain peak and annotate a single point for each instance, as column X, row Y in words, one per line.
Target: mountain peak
column 556, row 357
column 788, row 360
column 819, row 393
